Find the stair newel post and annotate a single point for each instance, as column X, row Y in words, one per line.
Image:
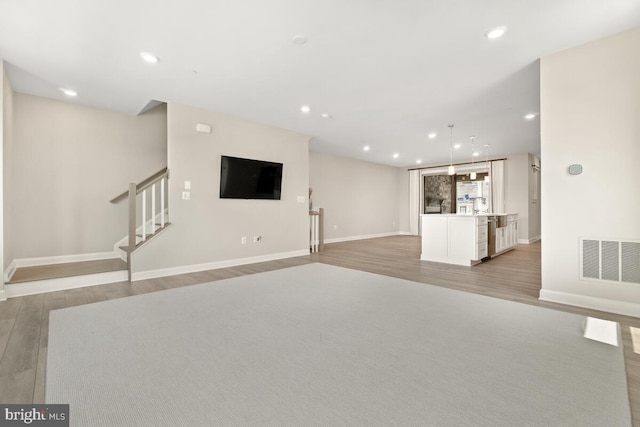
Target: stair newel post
column 162, row 203
column 132, row 225
column 144, row 215
column 316, row 235
column 321, row 229
column 153, row 208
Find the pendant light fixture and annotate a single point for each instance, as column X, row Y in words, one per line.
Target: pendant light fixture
column 473, row 175
column 486, row 161
column 451, row 170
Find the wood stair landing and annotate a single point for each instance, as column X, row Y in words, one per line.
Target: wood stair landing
column 70, row 269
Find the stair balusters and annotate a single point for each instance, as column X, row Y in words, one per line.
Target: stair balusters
column 154, row 214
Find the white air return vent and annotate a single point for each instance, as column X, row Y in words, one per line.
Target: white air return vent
column 608, row 259
column 630, row 262
column 591, row 259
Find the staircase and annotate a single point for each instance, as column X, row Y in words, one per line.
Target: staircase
column 148, row 207
column 148, row 217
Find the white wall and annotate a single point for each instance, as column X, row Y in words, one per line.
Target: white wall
column 403, row 193
column 6, row 139
column 360, row 199
column 590, row 110
column 534, row 200
column 7, row 164
column 68, row 162
column 516, row 182
column 520, row 197
column 206, row 231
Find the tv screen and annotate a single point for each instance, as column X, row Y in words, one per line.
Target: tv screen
column 249, row 179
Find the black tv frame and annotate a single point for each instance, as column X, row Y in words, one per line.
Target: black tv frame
column 251, row 179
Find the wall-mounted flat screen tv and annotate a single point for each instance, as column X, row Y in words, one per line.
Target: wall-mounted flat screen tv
column 249, row 179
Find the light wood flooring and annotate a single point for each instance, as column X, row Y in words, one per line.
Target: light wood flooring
column 513, row 276
column 56, row 271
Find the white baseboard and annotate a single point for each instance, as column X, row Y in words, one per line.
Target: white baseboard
column 174, row 271
column 3, row 295
column 528, row 241
column 365, row 236
column 60, row 259
column 449, row 260
column 594, row 303
column 14, row 290
column 8, row 273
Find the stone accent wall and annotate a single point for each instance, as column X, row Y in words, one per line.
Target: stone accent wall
column 437, row 191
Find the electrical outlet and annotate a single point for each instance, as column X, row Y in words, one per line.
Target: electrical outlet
column 243, row 240
column 257, row 239
column 186, row 195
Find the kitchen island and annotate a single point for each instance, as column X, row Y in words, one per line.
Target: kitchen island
column 467, row 239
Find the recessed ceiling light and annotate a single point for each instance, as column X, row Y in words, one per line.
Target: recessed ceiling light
column 496, row 33
column 530, row 116
column 418, row 161
column 68, row 92
column 148, row 57
column 432, row 135
column 476, row 154
column 325, row 115
column 299, row 39
column 305, row 109
column 457, row 146
column 366, row 148
column 396, row 155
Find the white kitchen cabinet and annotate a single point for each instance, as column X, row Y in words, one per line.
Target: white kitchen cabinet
column 434, row 236
column 454, row 239
column 461, row 242
column 507, row 237
column 501, row 239
column 512, row 227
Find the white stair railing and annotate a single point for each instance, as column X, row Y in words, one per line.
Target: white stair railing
column 142, row 200
column 150, row 223
column 153, row 214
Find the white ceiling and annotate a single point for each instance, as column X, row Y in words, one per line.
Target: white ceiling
column 389, row 72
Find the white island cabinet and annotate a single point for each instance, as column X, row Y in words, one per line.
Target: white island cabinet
column 454, row 239
column 507, row 236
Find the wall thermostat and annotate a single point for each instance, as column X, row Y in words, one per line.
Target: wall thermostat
column 575, row 169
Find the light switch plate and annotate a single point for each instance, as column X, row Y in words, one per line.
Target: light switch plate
column 187, row 185
column 204, row 128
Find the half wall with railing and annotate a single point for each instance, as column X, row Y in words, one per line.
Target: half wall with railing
column 148, row 211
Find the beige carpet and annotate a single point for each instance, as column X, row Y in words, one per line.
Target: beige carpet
column 323, row 345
